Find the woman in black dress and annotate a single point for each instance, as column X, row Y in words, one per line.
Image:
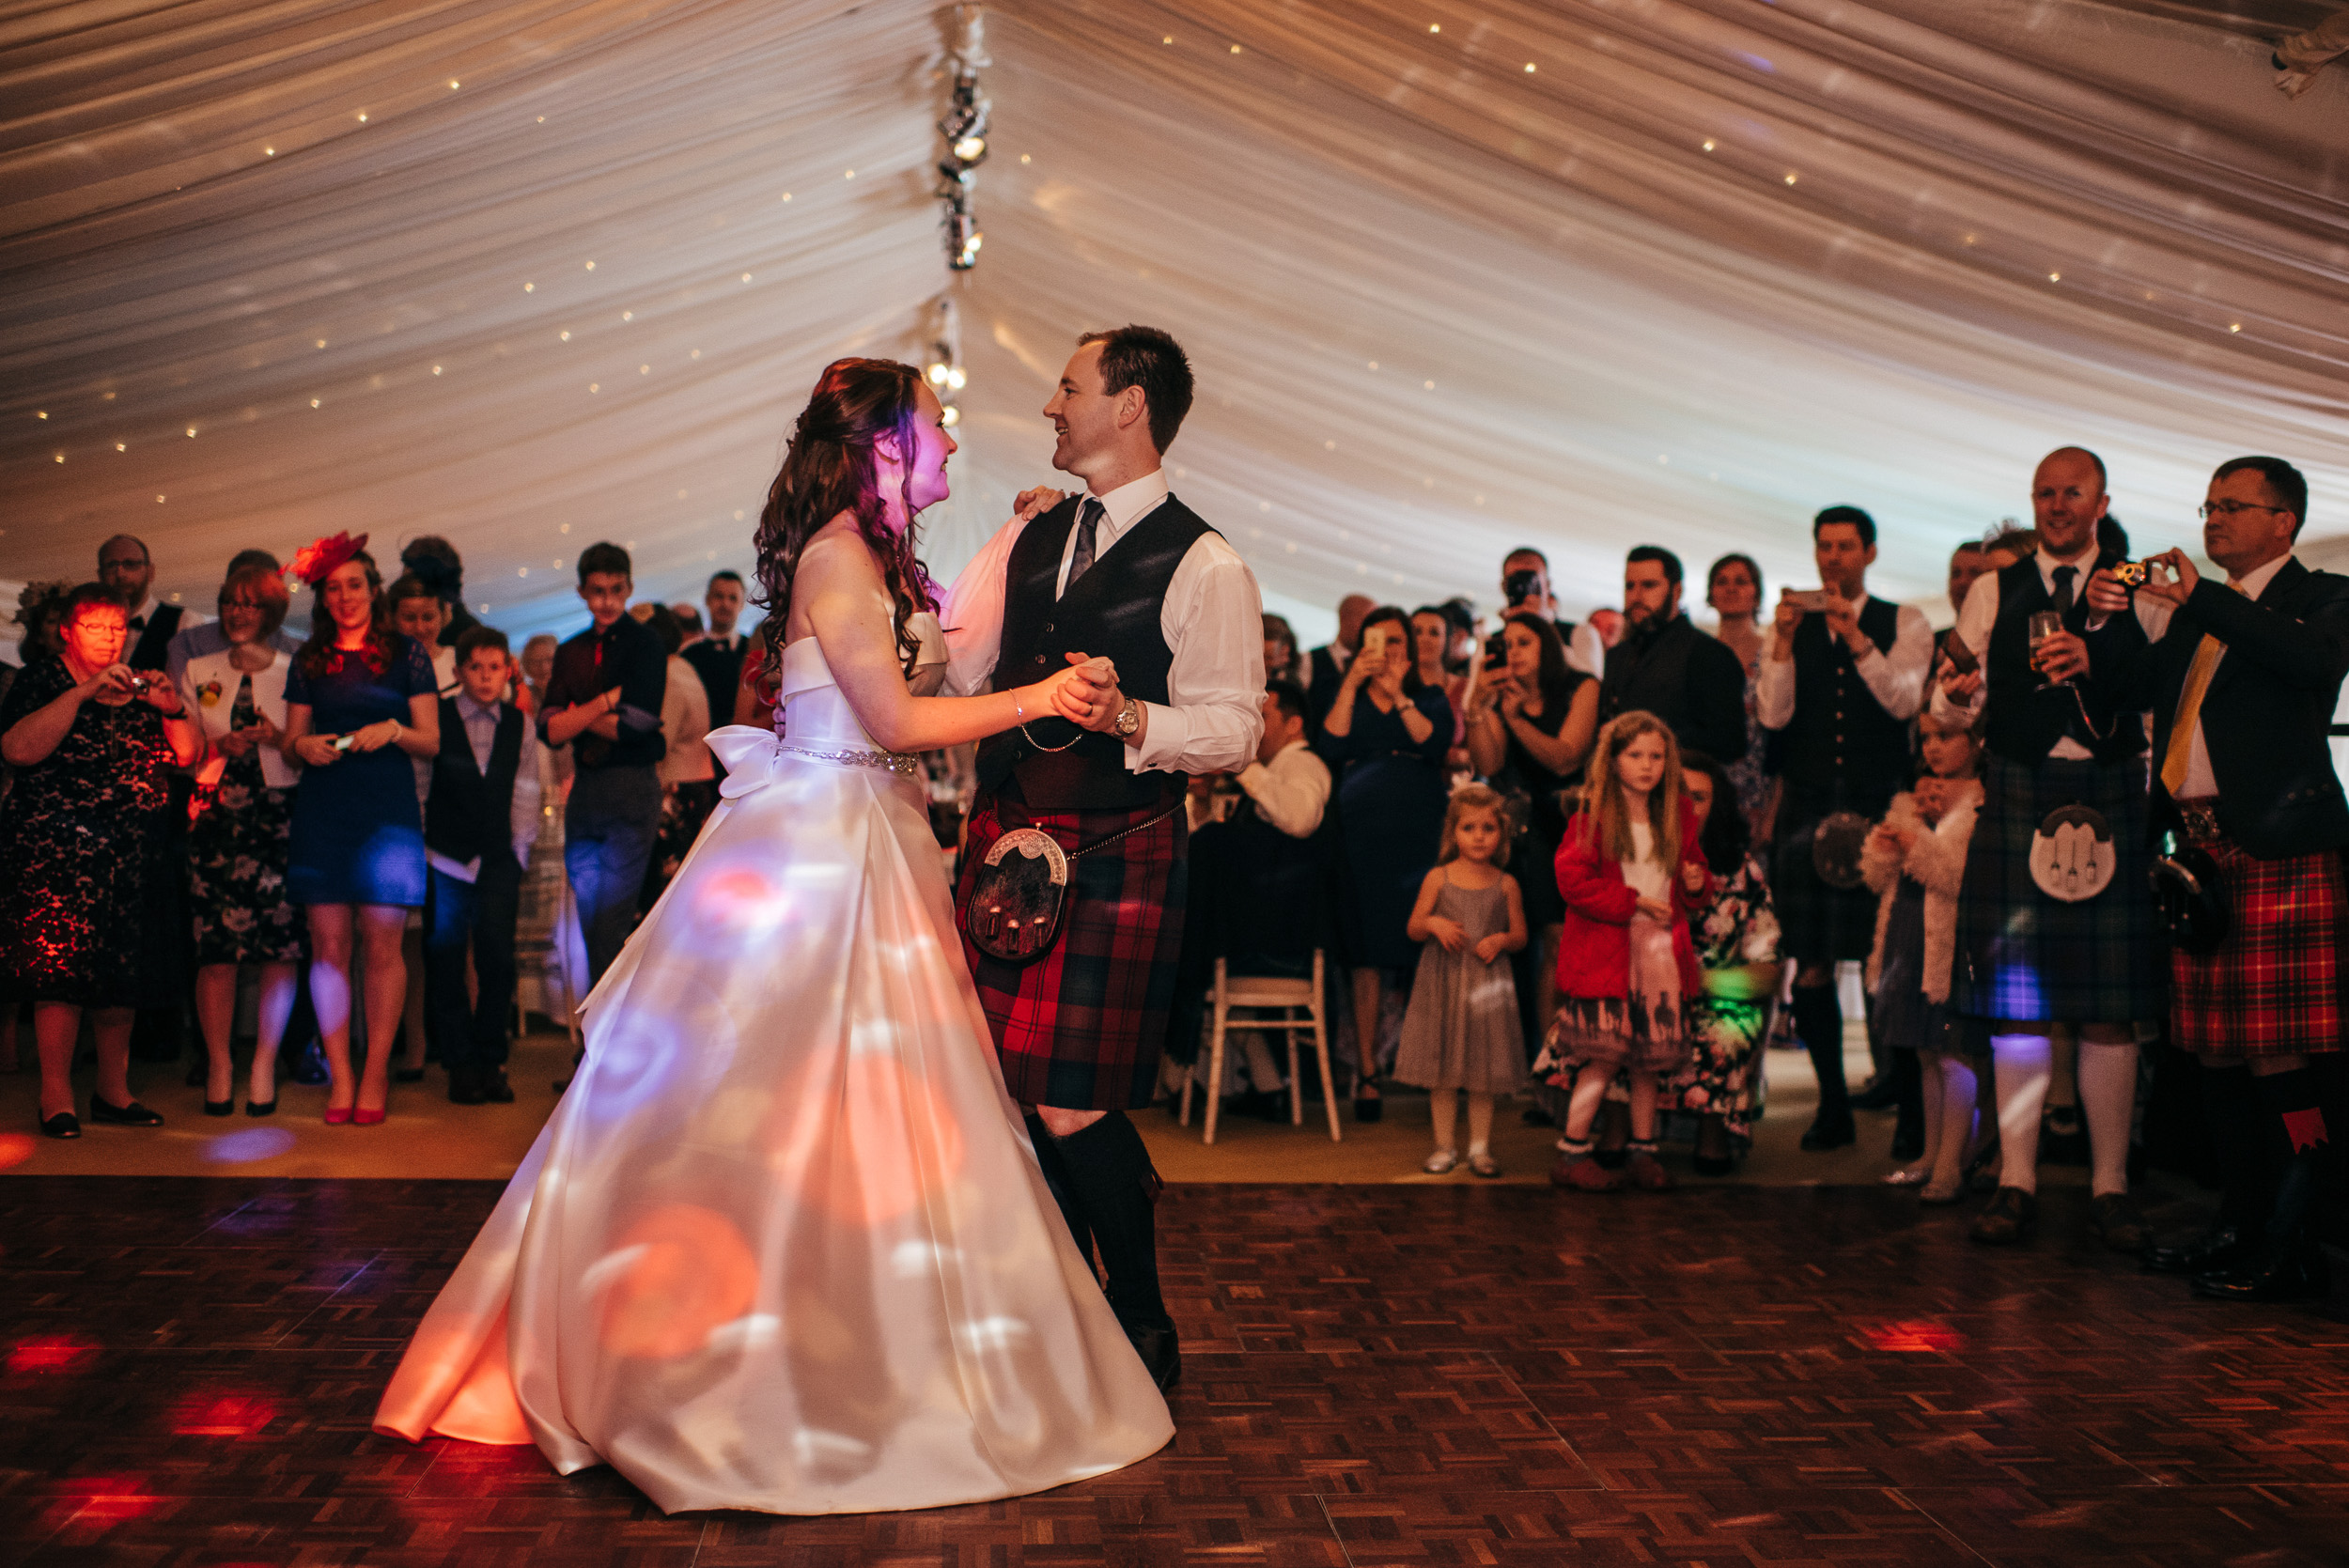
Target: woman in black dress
column 82, row 870
column 1385, row 738
column 1531, row 725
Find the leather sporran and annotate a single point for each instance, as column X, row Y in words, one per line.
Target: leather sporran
column 1017, row 896
column 1835, row 848
column 2185, row 895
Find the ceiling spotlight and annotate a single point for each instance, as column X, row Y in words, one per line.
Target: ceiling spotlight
column 971, row 148
column 951, row 417
column 937, row 373
column 956, row 377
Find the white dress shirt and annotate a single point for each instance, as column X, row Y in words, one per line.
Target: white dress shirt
column 1291, row 791
column 1980, row 614
column 1586, row 650
column 684, row 723
column 2154, row 616
column 1896, row 680
column 481, row 733
column 1212, row 619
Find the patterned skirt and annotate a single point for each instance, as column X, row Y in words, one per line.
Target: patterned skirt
column 240, row 910
column 2023, row 956
column 1644, row 1030
column 1082, row 1027
column 2273, row 987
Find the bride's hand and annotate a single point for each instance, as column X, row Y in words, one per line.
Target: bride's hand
column 1034, row 503
column 1077, row 692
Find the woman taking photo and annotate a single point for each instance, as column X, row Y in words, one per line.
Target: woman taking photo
column 359, row 701
column 1530, row 724
column 238, row 839
column 1734, row 589
column 1385, row 738
column 93, row 745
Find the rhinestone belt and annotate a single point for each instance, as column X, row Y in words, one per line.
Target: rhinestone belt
column 905, row 764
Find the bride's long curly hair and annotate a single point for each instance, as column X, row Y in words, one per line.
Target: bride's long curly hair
column 829, row 469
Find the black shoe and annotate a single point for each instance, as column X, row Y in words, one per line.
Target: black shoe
column 465, row 1087
column 2216, row 1251
column 1368, row 1109
column 63, row 1125
column 1161, row 1352
column 221, row 1108
column 407, row 1075
column 494, row 1089
column 260, row 1108
column 2117, row 1221
column 1882, row 1094
column 1908, row 1143
column 1830, row 1130
column 1534, row 1116
column 131, row 1115
column 309, row 1066
column 2300, row 1274
column 2007, row 1219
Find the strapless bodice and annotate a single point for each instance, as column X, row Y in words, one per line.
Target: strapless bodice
column 812, row 709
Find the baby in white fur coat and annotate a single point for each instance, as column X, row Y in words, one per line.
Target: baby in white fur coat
column 1915, row 860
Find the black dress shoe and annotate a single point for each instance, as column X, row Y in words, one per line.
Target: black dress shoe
column 407, row 1075
column 131, row 1115
column 2007, row 1219
column 494, row 1089
column 260, row 1108
column 1161, row 1352
column 1830, row 1130
column 63, row 1125
column 2283, row 1275
column 2214, row 1251
column 221, row 1108
column 1368, row 1109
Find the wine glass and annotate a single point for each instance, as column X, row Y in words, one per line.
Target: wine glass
column 2044, row 625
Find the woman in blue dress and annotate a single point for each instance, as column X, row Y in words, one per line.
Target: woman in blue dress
column 360, row 701
column 1385, row 738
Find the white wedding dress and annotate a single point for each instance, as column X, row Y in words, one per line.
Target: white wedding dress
column 784, row 1245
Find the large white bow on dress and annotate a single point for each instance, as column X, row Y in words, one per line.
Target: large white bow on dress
column 749, row 755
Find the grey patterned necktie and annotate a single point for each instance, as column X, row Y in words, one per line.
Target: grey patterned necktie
column 1088, row 529
column 2063, row 594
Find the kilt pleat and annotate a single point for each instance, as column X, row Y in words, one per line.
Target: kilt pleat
column 1082, row 1027
column 2273, row 987
column 2023, row 956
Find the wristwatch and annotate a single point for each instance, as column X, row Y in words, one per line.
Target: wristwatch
column 1128, row 719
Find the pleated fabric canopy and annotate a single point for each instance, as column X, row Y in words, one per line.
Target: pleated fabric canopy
column 1454, row 276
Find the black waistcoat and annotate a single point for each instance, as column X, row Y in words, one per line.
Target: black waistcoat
column 2025, row 719
column 470, row 813
column 1842, row 752
column 151, row 650
column 1113, row 610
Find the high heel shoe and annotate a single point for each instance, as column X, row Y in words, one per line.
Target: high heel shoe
column 221, row 1108
column 337, row 1115
column 362, row 1117
column 260, row 1108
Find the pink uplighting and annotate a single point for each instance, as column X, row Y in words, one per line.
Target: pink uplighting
column 1923, row 1336
column 222, row 1415
column 15, row 1149
column 690, row 1272
column 49, row 1352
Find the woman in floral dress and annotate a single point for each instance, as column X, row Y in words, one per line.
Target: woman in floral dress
column 240, row 838
column 1736, row 942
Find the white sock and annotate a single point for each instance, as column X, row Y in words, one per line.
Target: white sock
column 1956, row 1089
column 2021, row 1064
column 2108, row 1100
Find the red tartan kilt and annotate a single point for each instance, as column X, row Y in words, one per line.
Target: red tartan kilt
column 2273, row 987
column 1082, row 1026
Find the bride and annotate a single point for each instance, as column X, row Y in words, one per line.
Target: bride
column 784, row 1245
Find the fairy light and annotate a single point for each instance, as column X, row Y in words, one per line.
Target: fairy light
column 963, row 128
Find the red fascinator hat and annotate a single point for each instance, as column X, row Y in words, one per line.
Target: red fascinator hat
column 313, row 561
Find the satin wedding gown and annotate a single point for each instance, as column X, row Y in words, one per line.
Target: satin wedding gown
column 784, row 1245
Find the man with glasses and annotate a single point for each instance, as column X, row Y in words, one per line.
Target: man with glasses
column 2242, row 681
column 2055, row 921
column 124, row 566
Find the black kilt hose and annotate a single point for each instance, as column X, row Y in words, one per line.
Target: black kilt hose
column 2025, row 956
column 1081, row 1028
column 1817, row 923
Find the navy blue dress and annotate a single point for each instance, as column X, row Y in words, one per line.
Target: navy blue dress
column 358, row 836
column 1391, row 802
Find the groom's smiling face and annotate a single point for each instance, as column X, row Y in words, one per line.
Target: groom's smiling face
column 1085, row 418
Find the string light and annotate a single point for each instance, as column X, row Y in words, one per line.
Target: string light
column 1709, row 143
column 1435, row 26
column 964, row 130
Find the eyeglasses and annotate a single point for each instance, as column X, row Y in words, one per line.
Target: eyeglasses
column 2228, row 508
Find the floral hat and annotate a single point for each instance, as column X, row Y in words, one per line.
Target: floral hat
column 315, row 560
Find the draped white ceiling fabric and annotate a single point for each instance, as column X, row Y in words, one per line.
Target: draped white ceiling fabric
column 1455, row 275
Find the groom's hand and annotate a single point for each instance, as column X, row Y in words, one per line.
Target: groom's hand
column 1093, row 693
column 1032, row 503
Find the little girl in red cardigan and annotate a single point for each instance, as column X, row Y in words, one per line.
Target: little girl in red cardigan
column 1630, row 869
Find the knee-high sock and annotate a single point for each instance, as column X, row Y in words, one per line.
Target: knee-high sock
column 2020, row 1065
column 1114, row 1182
column 1048, row 1156
column 2238, row 1137
column 2107, row 1082
column 1819, row 1024
column 2301, row 1148
column 1955, row 1087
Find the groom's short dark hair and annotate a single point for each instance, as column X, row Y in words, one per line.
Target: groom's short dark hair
column 1153, row 361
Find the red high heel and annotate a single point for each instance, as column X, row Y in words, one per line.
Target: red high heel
column 337, row 1115
column 361, row 1117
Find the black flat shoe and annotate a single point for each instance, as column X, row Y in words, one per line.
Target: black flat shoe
column 260, row 1108
column 1368, row 1109
column 2215, row 1250
column 63, row 1125
column 407, row 1075
column 221, row 1108
column 131, row 1115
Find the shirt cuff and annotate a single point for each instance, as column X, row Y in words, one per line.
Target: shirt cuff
column 1168, row 734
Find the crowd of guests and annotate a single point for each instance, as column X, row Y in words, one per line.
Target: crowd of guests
column 1605, row 861
column 349, row 821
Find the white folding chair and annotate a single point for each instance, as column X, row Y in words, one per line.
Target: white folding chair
column 1291, row 1007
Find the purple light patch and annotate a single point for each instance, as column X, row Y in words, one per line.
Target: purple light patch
column 238, row 1148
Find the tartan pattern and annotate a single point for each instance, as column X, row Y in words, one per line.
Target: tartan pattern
column 2273, row 987
column 2024, row 956
column 1081, row 1028
column 1817, row 923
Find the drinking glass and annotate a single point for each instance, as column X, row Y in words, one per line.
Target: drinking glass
column 2044, row 625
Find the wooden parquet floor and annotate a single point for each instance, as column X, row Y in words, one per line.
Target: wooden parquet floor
column 1374, row 1376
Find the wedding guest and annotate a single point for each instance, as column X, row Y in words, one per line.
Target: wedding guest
column 124, row 566
column 1385, row 735
column 241, row 834
column 1610, row 625
column 195, row 639
column 360, row 703
column 2031, row 963
column 1838, row 685
column 420, row 615
column 1733, row 588
column 603, row 706
column 1280, row 650
column 1667, row 667
column 479, row 826
column 1524, row 586
column 716, row 656
column 435, row 560
column 688, row 771
column 1326, row 666
column 1531, row 725
column 1431, row 661
column 83, row 833
column 1738, row 968
column 689, row 623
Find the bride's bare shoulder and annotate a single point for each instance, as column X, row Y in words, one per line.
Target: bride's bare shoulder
column 837, row 552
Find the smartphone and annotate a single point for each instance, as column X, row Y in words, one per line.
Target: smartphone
column 1807, row 600
column 345, row 743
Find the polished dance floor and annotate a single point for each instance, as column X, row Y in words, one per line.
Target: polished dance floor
column 1374, row 1375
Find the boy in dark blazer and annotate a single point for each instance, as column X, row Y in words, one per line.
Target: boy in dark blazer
column 479, row 824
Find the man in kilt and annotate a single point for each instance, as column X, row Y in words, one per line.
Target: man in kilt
column 2055, row 921
column 2243, row 682
column 1132, row 574
column 1839, row 685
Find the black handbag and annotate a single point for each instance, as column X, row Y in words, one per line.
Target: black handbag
column 2186, row 894
column 1020, row 890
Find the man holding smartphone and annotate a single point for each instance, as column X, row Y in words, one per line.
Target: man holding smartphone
column 1840, row 677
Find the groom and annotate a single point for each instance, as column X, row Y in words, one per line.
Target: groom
column 1127, row 572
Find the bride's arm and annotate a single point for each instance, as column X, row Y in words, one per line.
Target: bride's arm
column 839, row 585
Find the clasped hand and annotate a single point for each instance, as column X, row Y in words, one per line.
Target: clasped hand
column 1085, row 693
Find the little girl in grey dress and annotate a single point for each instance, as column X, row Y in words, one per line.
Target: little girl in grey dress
column 1461, row 1032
